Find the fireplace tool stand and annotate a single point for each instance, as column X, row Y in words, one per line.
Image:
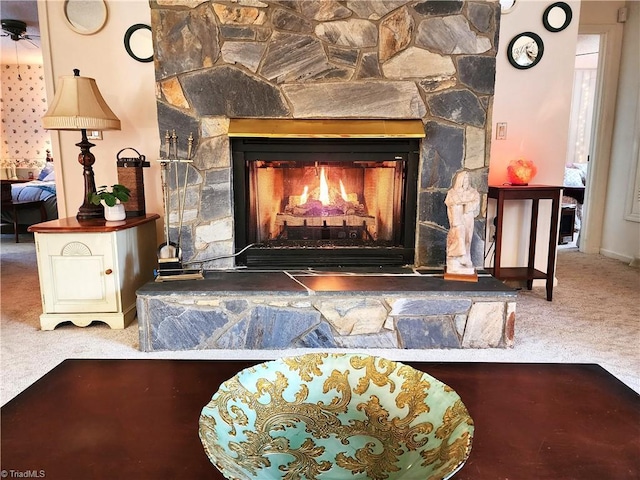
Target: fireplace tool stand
column 169, row 253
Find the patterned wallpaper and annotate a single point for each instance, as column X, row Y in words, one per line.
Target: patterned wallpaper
column 23, row 102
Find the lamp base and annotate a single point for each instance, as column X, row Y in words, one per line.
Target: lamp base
column 89, row 212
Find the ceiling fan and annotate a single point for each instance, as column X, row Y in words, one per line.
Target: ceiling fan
column 17, row 30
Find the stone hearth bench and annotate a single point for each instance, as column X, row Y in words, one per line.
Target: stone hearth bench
column 255, row 310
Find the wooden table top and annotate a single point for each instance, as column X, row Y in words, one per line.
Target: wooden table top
column 92, row 225
column 138, row 419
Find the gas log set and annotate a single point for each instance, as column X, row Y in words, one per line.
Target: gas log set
column 340, row 215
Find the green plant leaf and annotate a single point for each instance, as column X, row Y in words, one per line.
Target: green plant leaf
column 94, row 198
column 110, row 195
column 109, row 199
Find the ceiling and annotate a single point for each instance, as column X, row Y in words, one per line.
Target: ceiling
column 27, row 53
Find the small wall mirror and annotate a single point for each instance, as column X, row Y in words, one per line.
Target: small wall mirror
column 85, row 17
column 557, row 17
column 525, row 50
column 138, row 43
column 507, row 5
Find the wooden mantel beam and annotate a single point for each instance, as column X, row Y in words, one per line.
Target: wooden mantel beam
column 325, row 128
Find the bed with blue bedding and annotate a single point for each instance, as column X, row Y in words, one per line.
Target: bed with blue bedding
column 41, row 190
column 33, row 191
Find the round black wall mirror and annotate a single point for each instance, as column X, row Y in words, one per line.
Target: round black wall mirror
column 525, row 50
column 557, row 17
column 138, row 42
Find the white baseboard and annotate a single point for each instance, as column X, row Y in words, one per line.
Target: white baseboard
column 616, row 255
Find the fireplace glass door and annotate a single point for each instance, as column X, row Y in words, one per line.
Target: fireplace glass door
column 325, row 202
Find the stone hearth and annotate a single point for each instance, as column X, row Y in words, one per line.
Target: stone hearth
column 280, row 310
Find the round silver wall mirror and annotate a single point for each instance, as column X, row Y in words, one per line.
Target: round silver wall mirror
column 557, row 16
column 525, row 50
column 85, row 17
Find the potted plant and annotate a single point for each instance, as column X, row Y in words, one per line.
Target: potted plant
column 111, row 198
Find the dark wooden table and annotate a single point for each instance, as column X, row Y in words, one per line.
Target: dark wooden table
column 138, row 419
column 502, row 193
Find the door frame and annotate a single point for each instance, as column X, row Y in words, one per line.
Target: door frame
column 602, row 134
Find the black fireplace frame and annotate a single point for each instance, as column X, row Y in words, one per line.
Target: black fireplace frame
column 248, row 149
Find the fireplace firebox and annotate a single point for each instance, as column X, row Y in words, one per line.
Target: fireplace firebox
column 313, row 202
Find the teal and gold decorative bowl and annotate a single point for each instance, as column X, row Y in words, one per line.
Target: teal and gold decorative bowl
column 333, row 417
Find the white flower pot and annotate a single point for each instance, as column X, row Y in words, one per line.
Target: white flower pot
column 115, row 213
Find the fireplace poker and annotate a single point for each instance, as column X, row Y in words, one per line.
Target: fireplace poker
column 174, row 139
column 184, row 186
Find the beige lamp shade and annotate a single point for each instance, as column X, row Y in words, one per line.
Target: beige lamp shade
column 79, row 105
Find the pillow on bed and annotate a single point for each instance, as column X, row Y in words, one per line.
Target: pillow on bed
column 582, row 167
column 572, row 178
column 50, row 178
column 46, row 171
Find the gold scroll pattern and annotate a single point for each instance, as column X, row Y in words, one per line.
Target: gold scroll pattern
column 245, row 427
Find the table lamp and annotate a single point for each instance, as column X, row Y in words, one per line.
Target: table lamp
column 78, row 105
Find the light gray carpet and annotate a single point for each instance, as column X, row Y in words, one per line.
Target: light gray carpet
column 594, row 318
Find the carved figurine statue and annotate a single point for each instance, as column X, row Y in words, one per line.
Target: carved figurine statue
column 463, row 205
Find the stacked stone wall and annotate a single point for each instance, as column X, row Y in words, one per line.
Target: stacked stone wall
column 432, row 60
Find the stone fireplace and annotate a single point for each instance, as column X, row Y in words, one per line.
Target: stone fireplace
column 429, row 62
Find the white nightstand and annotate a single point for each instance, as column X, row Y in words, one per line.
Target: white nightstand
column 90, row 270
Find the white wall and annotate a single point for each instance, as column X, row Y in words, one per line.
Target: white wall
column 620, row 236
column 127, row 86
column 535, row 103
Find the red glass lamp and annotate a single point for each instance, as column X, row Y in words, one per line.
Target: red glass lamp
column 521, row 171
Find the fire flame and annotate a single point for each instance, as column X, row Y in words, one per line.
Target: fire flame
column 305, row 195
column 343, row 192
column 322, row 193
column 324, row 189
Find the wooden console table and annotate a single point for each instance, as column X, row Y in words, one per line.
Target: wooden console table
column 535, row 193
column 90, row 270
